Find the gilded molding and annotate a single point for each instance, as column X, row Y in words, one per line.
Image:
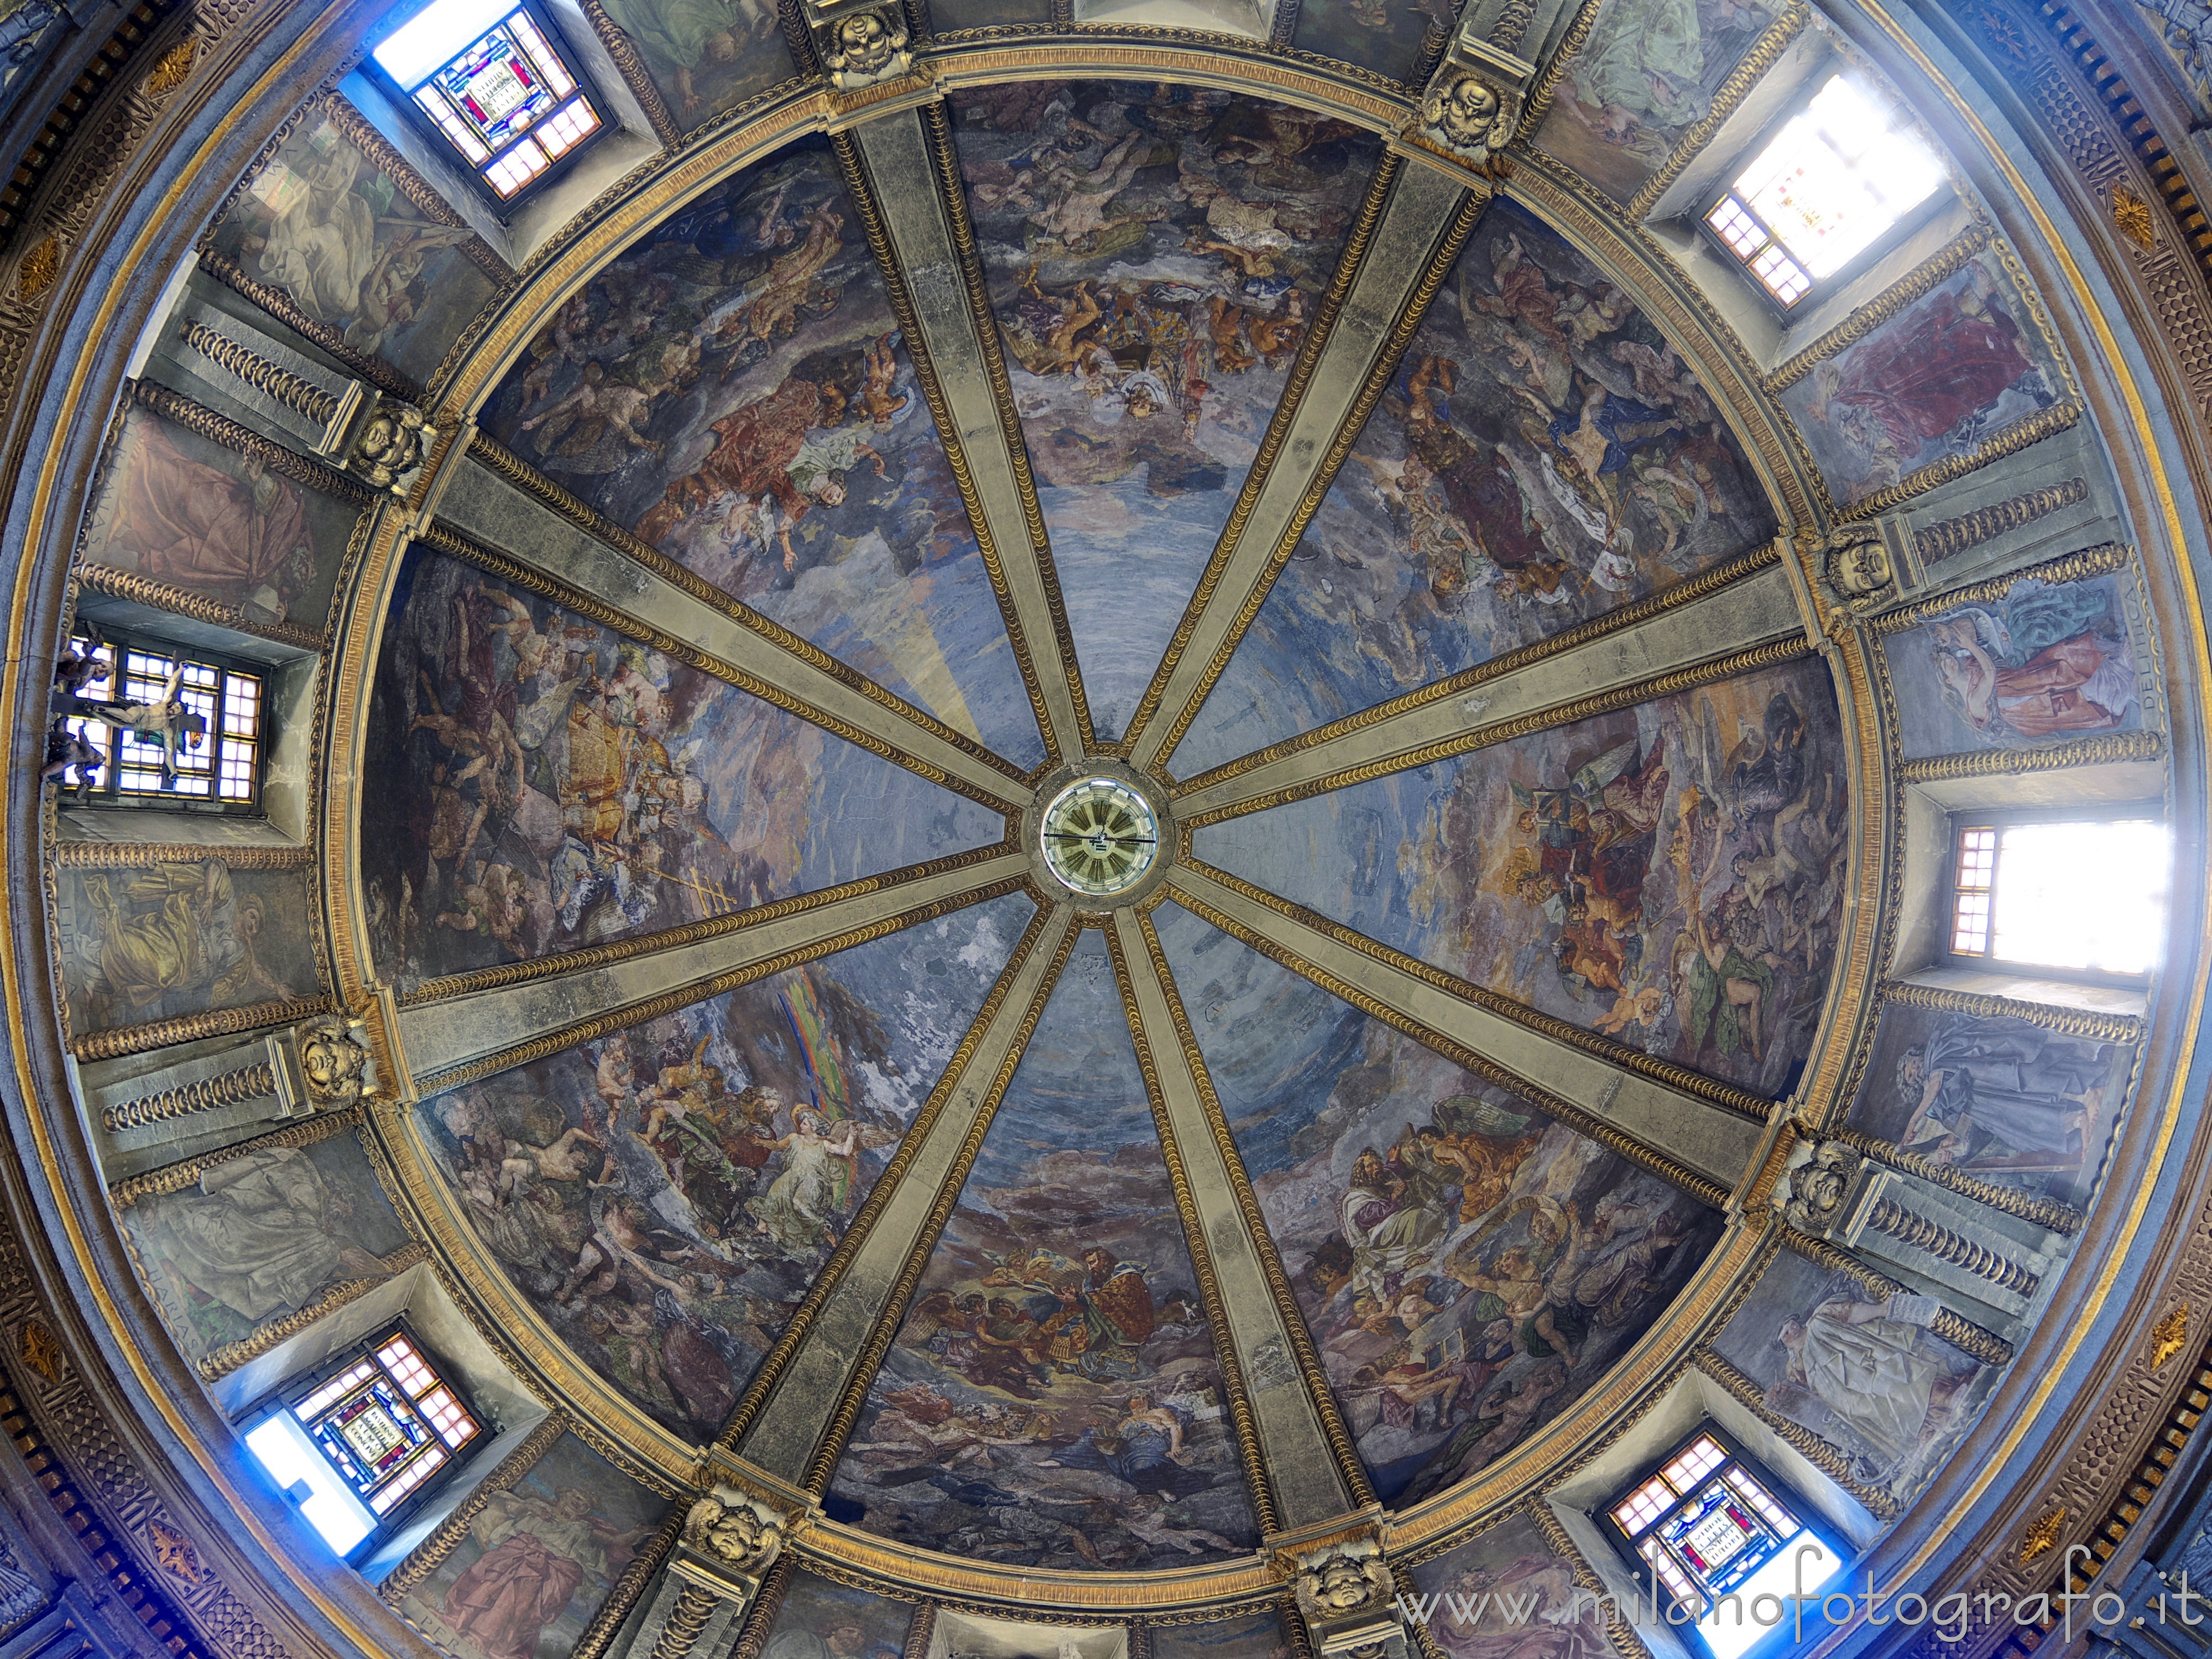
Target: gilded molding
column 1705, row 1191
column 1053, row 1596
column 224, row 1089
column 860, row 189
column 1944, row 263
column 952, row 197
column 228, row 1357
column 199, row 419
column 381, row 154
column 1358, row 239
column 630, row 64
column 2167, row 1337
column 2073, row 567
column 2033, row 429
column 1961, row 1333
column 1388, row 358
column 786, row 1345
column 447, row 540
column 1349, row 1463
column 2028, row 1206
column 922, row 1624
column 518, row 472
column 636, row 1013
column 629, row 1589
column 1948, row 538
column 1714, row 1092
column 189, row 1028
column 1242, row 1421
column 1830, row 1459
column 839, row 1427
column 200, row 607
column 2103, row 750
column 1765, row 53
column 141, row 854
column 2090, row 1023
column 1629, row 615
column 281, row 305
column 175, row 1177
column 1547, row 83
column 1521, row 726
column 590, row 956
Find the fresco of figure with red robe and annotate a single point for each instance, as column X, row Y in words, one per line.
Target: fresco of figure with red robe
column 1938, row 380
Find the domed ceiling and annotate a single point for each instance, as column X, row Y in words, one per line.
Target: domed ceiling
column 1535, row 669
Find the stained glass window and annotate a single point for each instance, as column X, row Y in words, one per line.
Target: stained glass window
column 1717, row 1533
column 2019, row 894
column 1824, row 190
column 216, row 759
column 491, row 77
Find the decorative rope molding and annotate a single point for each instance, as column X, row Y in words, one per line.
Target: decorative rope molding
column 258, row 372
column 1380, row 375
column 1765, row 53
column 2033, row 429
column 1830, row 1460
column 860, row 189
column 1948, row 538
column 2089, row 1023
column 760, row 1618
column 189, row 1028
column 426, row 1557
column 830, row 1450
column 1893, row 1220
column 199, row 419
column 381, row 154
column 281, row 305
column 588, row 957
column 1547, row 83
column 1683, row 592
column 785, row 1347
column 1968, row 1338
column 1350, row 1466
column 1618, row 1629
column 1944, row 263
column 2102, row 751
column 175, row 1177
column 228, row 1357
column 1707, row 1192
column 515, row 572
column 694, row 1606
column 607, row 1624
column 226, row 1089
column 143, row 854
column 200, row 607
column 952, row 197
column 1521, row 726
column 631, row 65
column 2043, row 1211
column 2098, row 561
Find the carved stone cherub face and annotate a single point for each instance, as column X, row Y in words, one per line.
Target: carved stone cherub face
column 1860, row 567
column 866, row 44
column 332, row 1062
column 1338, row 1584
column 735, row 1532
column 1816, row 1188
column 1465, row 114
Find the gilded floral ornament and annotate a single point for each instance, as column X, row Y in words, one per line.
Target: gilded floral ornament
column 2132, row 215
column 2042, row 1535
column 42, row 1353
column 36, row 271
column 176, row 1554
column 2167, row 1337
column 172, row 69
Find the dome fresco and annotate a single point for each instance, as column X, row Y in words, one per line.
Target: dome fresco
column 1130, row 829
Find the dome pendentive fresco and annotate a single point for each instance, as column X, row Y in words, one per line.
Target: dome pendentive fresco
column 1143, row 828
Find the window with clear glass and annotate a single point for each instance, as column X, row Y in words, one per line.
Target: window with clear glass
column 360, row 1443
column 1717, row 1532
column 2084, row 897
column 214, row 757
column 490, row 77
column 1838, row 176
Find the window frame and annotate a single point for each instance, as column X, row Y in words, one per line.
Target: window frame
column 587, row 86
column 1960, row 819
column 1781, row 1491
column 282, row 1399
column 109, row 793
column 1913, row 220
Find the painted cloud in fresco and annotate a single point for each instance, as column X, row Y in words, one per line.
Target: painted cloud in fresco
column 664, row 1197
column 1053, row 1398
column 1468, row 1267
column 1647, row 73
column 538, row 1558
column 338, row 237
column 1155, row 256
column 1864, row 1375
column 1670, row 875
column 2046, row 662
column 1543, row 457
column 1934, row 382
column 548, row 784
column 734, row 389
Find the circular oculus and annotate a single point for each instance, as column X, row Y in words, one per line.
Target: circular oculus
column 1099, row 836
